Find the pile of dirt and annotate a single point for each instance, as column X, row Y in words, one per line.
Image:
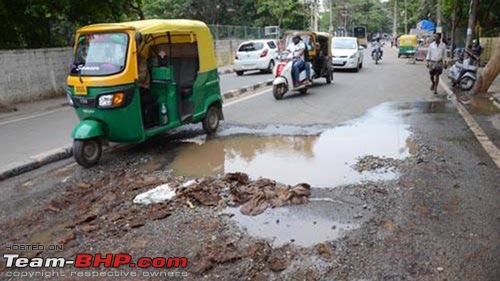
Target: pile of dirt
column 254, row 197
column 105, row 205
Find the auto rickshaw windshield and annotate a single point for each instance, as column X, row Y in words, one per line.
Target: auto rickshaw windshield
column 99, row 54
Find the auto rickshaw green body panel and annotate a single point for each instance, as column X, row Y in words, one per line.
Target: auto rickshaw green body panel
column 133, row 80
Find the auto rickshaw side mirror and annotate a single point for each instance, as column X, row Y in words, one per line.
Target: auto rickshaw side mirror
column 138, row 38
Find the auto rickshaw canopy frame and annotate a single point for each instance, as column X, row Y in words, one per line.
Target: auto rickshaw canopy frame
column 156, row 31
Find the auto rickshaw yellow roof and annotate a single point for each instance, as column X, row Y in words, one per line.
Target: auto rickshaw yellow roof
column 324, row 34
column 408, row 36
column 149, row 26
column 156, row 27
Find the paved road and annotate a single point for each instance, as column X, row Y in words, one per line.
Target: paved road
column 25, row 136
column 437, row 220
column 349, row 96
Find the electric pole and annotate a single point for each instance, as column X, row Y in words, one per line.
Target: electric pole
column 439, row 28
column 406, row 17
column 472, row 22
column 395, row 19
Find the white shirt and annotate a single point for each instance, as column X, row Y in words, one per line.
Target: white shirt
column 295, row 49
column 436, row 53
column 376, row 45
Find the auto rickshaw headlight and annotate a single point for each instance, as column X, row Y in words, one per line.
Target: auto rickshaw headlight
column 106, row 100
column 111, row 100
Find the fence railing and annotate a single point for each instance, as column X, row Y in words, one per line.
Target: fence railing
column 237, row 32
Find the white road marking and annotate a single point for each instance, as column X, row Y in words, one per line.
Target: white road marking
column 34, row 116
column 247, row 97
column 476, row 129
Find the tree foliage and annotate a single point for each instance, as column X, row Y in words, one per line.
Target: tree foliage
column 42, row 23
column 349, row 13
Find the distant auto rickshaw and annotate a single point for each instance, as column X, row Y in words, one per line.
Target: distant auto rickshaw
column 407, row 45
column 318, row 56
column 133, row 80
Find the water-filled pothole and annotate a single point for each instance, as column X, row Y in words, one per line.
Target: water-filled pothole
column 303, row 225
column 322, row 160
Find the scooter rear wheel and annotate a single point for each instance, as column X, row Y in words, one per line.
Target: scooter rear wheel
column 466, row 83
column 87, row 152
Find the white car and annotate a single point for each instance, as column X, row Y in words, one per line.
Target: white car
column 256, row 55
column 347, row 54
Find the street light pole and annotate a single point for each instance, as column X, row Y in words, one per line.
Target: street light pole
column 331, row 16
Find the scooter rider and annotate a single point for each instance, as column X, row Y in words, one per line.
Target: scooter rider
column 377, row 45
column 297, row 50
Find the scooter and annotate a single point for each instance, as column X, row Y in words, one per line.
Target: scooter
column 283, row 81
column 463, row 73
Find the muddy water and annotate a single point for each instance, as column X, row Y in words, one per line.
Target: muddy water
column 304, row 225
column 323, row 160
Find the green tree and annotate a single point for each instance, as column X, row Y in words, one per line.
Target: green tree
column 287, row 14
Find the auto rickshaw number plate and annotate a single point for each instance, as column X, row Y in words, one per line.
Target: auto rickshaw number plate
column 81, row 90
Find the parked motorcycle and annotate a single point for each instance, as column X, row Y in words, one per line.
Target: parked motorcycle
column 376, row 55
column 463, row 72
column 283, row 81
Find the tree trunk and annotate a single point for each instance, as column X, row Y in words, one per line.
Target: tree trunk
column 490, row 71
column 453, row 26
column 471, row 27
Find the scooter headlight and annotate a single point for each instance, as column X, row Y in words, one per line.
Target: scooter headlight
column 111, row 100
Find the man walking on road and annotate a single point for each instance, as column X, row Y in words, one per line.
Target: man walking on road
column 435, row 61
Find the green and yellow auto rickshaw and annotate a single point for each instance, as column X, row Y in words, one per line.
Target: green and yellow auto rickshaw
column 133, row 80
column 407, row 45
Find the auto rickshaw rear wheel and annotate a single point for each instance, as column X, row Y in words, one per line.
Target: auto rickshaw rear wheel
column 329, row 77
column 212, row 119
column 87, row 152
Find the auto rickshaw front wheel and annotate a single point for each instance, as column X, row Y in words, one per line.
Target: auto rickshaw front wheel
column 87, row 152
column 212, row 119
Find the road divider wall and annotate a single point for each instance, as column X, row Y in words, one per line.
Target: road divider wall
column 33, row 74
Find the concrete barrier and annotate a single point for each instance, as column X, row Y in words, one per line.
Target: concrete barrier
column 27, row 75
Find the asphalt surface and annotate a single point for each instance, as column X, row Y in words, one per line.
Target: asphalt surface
column 436, row 220
column 23, row 136
column 349, row 96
